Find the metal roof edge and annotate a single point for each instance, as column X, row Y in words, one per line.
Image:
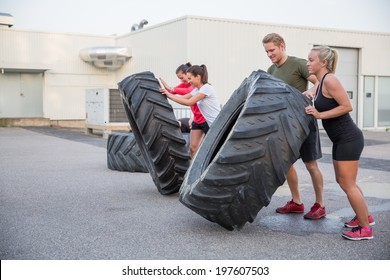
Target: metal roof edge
column 157, row 25
column 271, row 24
column 13, row 29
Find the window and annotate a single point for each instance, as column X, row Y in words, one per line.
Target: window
column 368, row 102
column 384, row 102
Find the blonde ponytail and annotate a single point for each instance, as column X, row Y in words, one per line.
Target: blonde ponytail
column 329, row 55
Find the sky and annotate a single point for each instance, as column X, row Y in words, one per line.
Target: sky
column 109, row 17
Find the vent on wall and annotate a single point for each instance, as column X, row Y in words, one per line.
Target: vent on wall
column 6, row 19
column 111, row 58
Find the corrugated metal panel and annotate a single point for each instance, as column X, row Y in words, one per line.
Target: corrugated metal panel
column 159, row 50
column 228, row 49
column 233, row 49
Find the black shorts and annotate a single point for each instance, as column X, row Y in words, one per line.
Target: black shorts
column 203, row 126
column 311, row 148
column 348, row 151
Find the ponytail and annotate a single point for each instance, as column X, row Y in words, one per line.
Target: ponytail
column 205, row 76
column 201, row 70
column 183, row 68
column 329, row 55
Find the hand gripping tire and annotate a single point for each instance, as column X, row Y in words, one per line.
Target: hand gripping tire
column 123, row 153
column 156, row 131
column 247, row 151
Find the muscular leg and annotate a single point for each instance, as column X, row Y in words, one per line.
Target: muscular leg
column 317, row 180
column 196, row 137
column 292, row 181
column 346, row 173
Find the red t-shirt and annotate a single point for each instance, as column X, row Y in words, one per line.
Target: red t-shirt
column 183, row 89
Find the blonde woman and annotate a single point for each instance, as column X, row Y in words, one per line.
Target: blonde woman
column 332, row 106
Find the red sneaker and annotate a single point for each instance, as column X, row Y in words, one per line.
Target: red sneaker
column 316, row 212
column 359, row 233
column 355, row 222
column 291, row 207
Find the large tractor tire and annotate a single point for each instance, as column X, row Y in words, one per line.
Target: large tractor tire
column 123, row 153
column 247, row 152
column 186, row 137
column 156, row 131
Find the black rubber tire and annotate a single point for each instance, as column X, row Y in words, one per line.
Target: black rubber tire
column 247, row 151
column 156, row 131
column 123, row 153
column 186, row 137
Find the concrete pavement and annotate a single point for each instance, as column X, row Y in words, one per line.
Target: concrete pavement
column 58, row 200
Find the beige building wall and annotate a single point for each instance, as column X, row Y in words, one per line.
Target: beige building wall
column 231, row 49
column 159, row 49
column 56, row 55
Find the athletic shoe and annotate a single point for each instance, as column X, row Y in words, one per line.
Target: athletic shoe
column 316, row 212
column 355, row 222
column 291, row 207
column 359, row 233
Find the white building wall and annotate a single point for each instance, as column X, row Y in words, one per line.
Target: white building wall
column 160, row 49
column 66, row 76
column 227, row 48
column 231, row 49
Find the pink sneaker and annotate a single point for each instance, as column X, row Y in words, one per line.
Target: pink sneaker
column 291, row 207
column 355, row 222
column 359, row 233
column 316, row 212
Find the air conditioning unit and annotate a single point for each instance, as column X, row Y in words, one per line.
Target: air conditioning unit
column 105, row 111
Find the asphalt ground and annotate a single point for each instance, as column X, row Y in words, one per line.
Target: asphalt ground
column 59, row 201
